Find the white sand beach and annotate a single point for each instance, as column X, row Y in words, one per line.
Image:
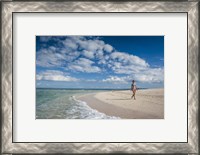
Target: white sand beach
column 149, row 103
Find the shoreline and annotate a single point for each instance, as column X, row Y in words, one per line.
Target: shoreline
column 149, row 103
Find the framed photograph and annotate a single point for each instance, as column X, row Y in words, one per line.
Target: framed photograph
column 89, row 77
column 99, row 77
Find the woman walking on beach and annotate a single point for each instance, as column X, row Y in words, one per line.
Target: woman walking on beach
column 133, row 89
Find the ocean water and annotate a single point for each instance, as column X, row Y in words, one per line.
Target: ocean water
column 62, row 104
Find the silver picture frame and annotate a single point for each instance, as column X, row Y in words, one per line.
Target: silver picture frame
column 8, row 8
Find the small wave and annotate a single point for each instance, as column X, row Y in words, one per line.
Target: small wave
column 80, row 110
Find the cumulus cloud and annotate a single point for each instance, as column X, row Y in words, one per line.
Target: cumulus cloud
column 124, row 63
column 151, row 75
column 67, row 50
column 92, row 55
column 68, row 43
column 108, row 48
column 54, row 75
column 116, row 79
column 45, row 38
column 91, row 45
column 84, row 65
column 126, row 58
column 91, row 80
column 55, row 57
column 102, row 61
column 88, row 54
column 49, row 58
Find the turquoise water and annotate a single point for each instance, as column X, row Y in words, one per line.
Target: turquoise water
column 62, row 104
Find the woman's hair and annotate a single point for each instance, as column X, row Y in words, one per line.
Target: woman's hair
column 133, row 81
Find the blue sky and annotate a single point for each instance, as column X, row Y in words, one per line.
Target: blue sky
column 99, row 61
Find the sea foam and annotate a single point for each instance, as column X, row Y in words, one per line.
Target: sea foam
column 82, row 111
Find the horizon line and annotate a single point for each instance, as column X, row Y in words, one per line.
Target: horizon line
column 96, row 88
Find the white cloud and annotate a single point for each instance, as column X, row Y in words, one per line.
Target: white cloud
column 45, row 38
column 92, row 55
column 108, row 48
column 106, row 57
column 99, row 54
column 88, row 54
column 115, row 80
column 84, row 62
column 68, row 43
column 55, row 57
column 49, row 58
column 91, row 80
column 54, row 75
column 84, row 65
column 128, row 59
column 123, row 63
column 91, row 45
column 118, row 68
column 151, row 75
column 102, row 61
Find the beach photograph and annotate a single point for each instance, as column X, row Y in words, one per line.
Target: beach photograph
column 99, row 77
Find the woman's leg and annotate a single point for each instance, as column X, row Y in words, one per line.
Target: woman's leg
column 134, row 94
